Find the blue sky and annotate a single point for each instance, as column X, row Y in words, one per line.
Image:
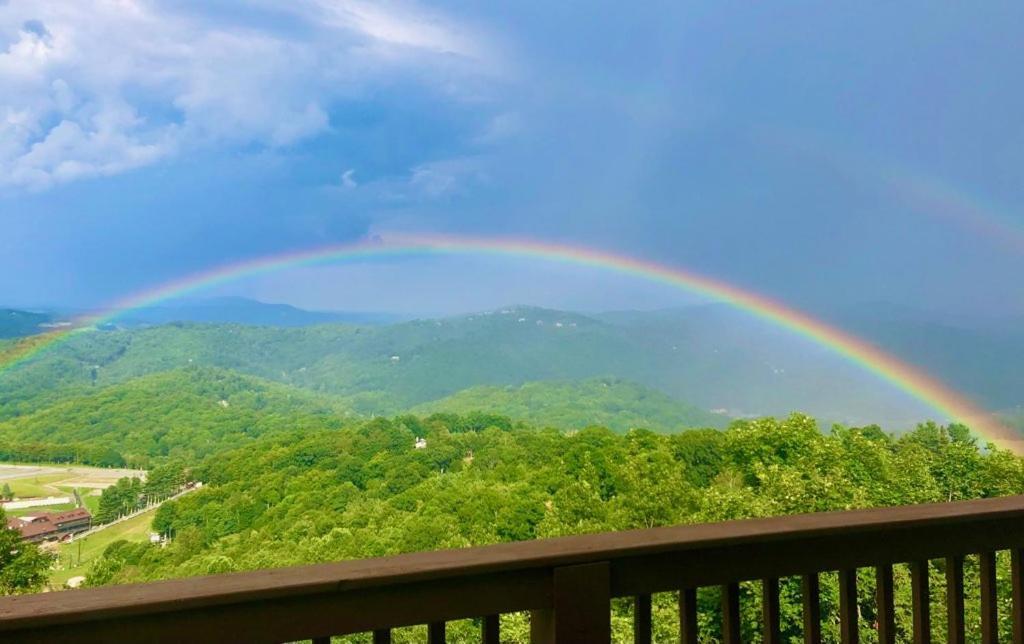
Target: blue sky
column 828, row 154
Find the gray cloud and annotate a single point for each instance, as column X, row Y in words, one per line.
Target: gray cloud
column 94, row 89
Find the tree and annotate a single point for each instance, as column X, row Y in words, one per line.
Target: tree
column 8, row 494
column 23, row 566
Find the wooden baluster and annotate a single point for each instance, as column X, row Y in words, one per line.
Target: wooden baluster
column 1017, row 607
column 436, row 633
column 490, row 629
column 582, row 609
column 382, row 636
column 642, row 619
column 812, row 608
column 955, row 599
column 731, row 613
column 688, row 616
column 921, row 601
column 321, row 640
column 849, row 632
column 884, row 604
column 770, row 611
column 989, row 610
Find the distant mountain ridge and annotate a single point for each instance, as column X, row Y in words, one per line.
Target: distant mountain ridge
column 15, row 323
column 241, row 310
column 711, row 357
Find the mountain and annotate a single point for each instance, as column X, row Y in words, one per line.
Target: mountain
column 712, row 357
column 15, row 323
column 241, row 310
column 979, row 357
column 608, row 402
column 184, row 413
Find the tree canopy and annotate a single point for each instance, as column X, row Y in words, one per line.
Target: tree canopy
column 365, row 490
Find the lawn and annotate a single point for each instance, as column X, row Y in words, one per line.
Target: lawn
column 92, row 503
column 28, row 481
column 36, row 485
column 79, row 554
column 60, row 507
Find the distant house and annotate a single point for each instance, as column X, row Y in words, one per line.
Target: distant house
column 46, row 526
column 421, row 443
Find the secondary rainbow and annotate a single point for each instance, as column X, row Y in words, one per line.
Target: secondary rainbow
column 890, row 369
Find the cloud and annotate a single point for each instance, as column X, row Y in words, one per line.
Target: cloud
column 442, row 178
column 392, row 25
column 346, row 179
column 96, row 88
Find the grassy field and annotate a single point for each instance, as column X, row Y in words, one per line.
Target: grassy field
column 58, row 480
column 37, row 480
column 59, row 507
column 76, row 557
column 37, row 485
column 92, row 503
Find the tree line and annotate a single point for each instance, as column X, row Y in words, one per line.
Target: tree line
column 365, row 490
column 130, row 494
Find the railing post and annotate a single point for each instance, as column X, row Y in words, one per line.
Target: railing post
column 955, row 599
column 989, row 609
column 770, row 611
column 811, row 591
column 921, row 602
column 849, row 624
column 490, row 629
column 885, row 605
column 582, row 608
column 731, row 613
column 436, row 633
column 642, row 619
column 688, row 616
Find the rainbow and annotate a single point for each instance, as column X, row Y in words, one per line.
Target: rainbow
column 890, row 369
column 927, row 194
column 940, row 200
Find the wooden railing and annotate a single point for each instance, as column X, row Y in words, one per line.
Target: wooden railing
column 566, row 583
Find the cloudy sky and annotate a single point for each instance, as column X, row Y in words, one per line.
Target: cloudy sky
column 829, row 155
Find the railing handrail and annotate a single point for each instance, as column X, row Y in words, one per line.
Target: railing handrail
column 527, row 565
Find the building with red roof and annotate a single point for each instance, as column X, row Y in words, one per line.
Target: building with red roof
column 45, row 526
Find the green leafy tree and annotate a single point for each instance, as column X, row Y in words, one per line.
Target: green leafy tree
column 23, row 566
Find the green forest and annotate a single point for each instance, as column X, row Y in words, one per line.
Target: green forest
column 364, row 490
column 704, row 359
column 305, row 442
column 609, row 402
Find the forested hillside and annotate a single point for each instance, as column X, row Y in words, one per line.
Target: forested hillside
column 184, row 413
column 192, row 412
column 364, row 490
column 608, row 402
column 708, row 357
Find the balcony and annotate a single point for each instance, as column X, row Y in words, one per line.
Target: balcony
column 567, row 584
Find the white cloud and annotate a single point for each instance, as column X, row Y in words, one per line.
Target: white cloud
column 391, row 24
column 447, row 177
column 347, row 180
column 100, row 87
